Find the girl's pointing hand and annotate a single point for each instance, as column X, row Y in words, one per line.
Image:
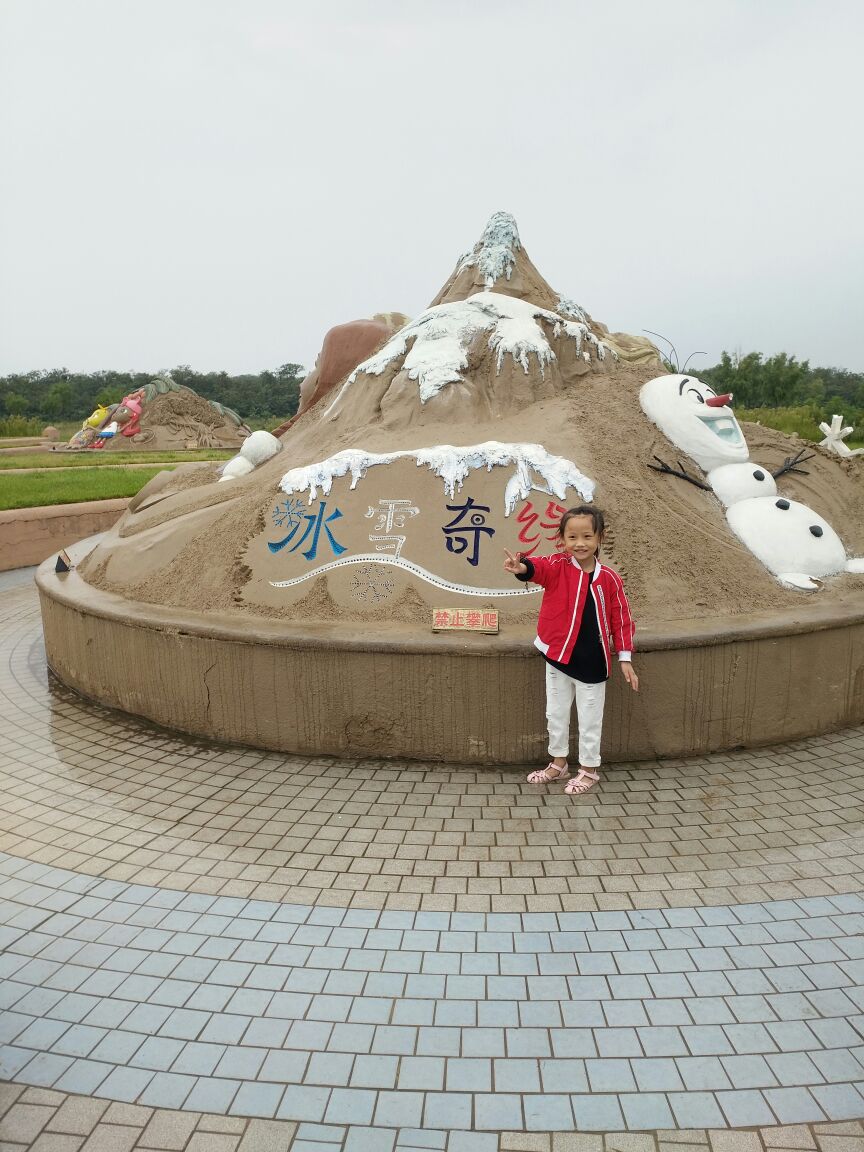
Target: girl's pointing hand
column 514, row 564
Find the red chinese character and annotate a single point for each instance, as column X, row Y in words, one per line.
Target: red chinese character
column 549, row 522
column 441, row 618
column 474, row 619
column 457, row 618
column 490, row 619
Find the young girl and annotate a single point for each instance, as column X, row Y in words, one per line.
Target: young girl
column 584, row 608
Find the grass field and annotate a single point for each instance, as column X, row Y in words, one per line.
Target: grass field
column 98, row 459
column 37, row 489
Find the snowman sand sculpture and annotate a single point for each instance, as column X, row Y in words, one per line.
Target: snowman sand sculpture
column 793, row 542
column 345, row 595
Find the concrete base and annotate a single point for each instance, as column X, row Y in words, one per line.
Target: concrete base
column 29, row 535
column 328, row 690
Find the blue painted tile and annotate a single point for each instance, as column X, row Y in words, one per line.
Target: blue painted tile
column 562, row 1076
column 748, row 1071
column 333, row 1068
column 438, row 1041
column 456, row 1013
column 658, row 1074
column 498, row 1112
column 157, row 1053
column 596, row 1113
column 256, row 1100
column 528, row 1042
column 702, row 1073
column 498, row 1014
column 241, row 1063
column 45, row 1069
column 794, row 1106
column 573, row 1042
column 125, row 1084
column 483, row 1042
column 350, row 1106
column 413, row 1011
column 304, row 1103
column 617, row 1041
column 745, row 1109
column 83, row 1077
column 794, row 1068
column 646, row 1111
column 747, row 1038
column 287, row 1067
column 539, row 1014
column 350, row 1037
column 313, row 1035
column 471, row 1075
column 839, row 1101
column 472, row 1142
column 695, row 1110
column 374, row 1072
column 369, row 1140
column 223, row 1029
column 167, row 1090
column 399, row 1109
column 447, row 1110
column 198, row 1059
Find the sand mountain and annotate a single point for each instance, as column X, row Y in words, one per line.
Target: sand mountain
column 495, row 339
column 501, row 358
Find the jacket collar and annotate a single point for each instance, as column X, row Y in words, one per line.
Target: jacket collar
column 598, row 568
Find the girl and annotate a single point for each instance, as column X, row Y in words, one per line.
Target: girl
column 584, row 608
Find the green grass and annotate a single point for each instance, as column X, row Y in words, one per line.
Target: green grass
column 37, row 489
column 99, row 458
column 802, row 420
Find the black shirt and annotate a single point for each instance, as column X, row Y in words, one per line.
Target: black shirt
column 587, row 662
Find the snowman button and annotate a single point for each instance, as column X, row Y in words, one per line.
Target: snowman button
column 784, row 504
column 815, row 530
column 758, row 475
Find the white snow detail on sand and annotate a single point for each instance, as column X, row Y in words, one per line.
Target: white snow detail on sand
column 443, row 334
column 494, row 254
column 533, row 469
column 569, row 308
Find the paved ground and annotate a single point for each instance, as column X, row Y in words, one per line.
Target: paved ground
column 211, row 948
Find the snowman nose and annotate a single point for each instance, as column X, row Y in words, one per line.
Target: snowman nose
column 719, row 401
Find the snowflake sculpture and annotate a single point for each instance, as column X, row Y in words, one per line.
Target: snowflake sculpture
column 288, row 513
column 370, row 583
column 835, row 434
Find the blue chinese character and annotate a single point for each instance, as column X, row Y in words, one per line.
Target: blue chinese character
column 458, row 533
column 314, row 523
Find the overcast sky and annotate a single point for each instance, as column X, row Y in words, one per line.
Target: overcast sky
column 218, row 182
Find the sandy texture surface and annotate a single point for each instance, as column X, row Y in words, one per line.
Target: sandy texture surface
column 192, row 543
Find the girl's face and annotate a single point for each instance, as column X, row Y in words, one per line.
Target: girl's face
column 579, row 539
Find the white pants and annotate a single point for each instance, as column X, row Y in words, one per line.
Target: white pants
column 560, row 691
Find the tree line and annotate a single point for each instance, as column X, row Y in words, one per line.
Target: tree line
column 756, row 381
column 58, row 394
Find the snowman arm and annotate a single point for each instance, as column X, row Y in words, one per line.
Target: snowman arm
column 791, row 464
column 680, row 472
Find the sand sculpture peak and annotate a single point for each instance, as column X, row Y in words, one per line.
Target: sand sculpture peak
column 467, row 431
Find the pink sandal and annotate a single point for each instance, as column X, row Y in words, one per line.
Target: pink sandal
column 581, row 782
column 545, row 775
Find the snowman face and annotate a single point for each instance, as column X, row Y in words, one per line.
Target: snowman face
column 787, row 536
column 695, row 419
column 734, row 482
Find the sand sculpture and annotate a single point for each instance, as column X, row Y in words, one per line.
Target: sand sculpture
column 344, row 347
column 792, row 541
column 385, row 516
column 161, row 416
column 835, row 435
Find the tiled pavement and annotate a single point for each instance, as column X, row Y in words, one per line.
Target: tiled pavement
column 321, row 955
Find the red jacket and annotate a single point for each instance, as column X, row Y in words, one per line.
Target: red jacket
column 565, row 588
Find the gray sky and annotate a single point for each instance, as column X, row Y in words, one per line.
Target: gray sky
column 218, row 182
